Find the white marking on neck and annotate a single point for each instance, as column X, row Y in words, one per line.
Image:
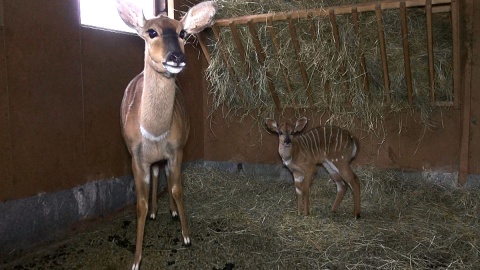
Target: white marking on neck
column 151, row 137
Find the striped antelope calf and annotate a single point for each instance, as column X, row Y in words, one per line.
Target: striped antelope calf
column 330, row 146
column 154, row 120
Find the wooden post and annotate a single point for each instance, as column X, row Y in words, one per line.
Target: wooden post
column 466, row 102
column 171, row 9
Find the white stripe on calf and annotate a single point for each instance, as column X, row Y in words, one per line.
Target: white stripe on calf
column 299, row 179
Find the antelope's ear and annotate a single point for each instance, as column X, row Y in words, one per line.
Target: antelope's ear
column 300, row 125
column 131, row 14
column 199, row 17
column 271, row 124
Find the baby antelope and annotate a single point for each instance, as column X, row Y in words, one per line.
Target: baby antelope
column 330, row 146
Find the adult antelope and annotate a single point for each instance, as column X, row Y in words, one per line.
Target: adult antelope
column 330, row 146
column 154, row 122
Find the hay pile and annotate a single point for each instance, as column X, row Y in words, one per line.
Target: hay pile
column 335, row 76
column 247, row 222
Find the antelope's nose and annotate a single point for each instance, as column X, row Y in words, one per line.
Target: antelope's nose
column 287, row 141
column 176, row 59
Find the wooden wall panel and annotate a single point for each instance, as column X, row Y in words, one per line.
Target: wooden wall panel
column 43, row 64
column 415, row 148
column 109, row 61
column 192, row 81
column 6, row 188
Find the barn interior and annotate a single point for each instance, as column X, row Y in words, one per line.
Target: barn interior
column 64, row 82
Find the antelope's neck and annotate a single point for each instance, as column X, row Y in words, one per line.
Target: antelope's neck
column 158, row 99
column 286, row 153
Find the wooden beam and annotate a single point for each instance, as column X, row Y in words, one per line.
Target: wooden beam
column 323, row 12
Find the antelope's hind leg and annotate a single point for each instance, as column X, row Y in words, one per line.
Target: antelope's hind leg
column 352, row 180
column 341, row 190
column 153, row 208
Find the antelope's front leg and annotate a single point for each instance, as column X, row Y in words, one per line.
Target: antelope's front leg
column 176, row 193
column 298, row 181
column 141, row 174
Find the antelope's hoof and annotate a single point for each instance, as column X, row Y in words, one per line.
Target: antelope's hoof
column 187, row 242
column 153, row 216
column 174, row 215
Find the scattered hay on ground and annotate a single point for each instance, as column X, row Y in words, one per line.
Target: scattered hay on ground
column 246, row 222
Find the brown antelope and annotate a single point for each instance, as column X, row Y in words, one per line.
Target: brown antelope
column 154, row 121
column 330, row 146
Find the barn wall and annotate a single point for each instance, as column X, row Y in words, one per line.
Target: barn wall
column 61, row 87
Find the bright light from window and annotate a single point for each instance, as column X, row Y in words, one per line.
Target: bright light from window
column 103, row 14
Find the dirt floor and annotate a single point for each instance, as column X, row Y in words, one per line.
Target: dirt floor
column 246, row 222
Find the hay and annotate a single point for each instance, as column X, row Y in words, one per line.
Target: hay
column 247, row 222
column 335, row 76
column 405, row 224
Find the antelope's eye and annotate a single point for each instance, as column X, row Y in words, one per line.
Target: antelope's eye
column 152, row 33
column 280, row 133
column 182, row 34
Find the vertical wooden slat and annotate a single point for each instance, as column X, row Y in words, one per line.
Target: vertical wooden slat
column 261, row 58
column 383, row 52
column 336, row 36
column 363, row 64
column 431, row 68
column 242, row 54
column 201, row 40
column 303, row 72
column 333, row 22
column 406, row 52
column 456, row 53
column 313, row 26
column 276, row 45
column 216, row 32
